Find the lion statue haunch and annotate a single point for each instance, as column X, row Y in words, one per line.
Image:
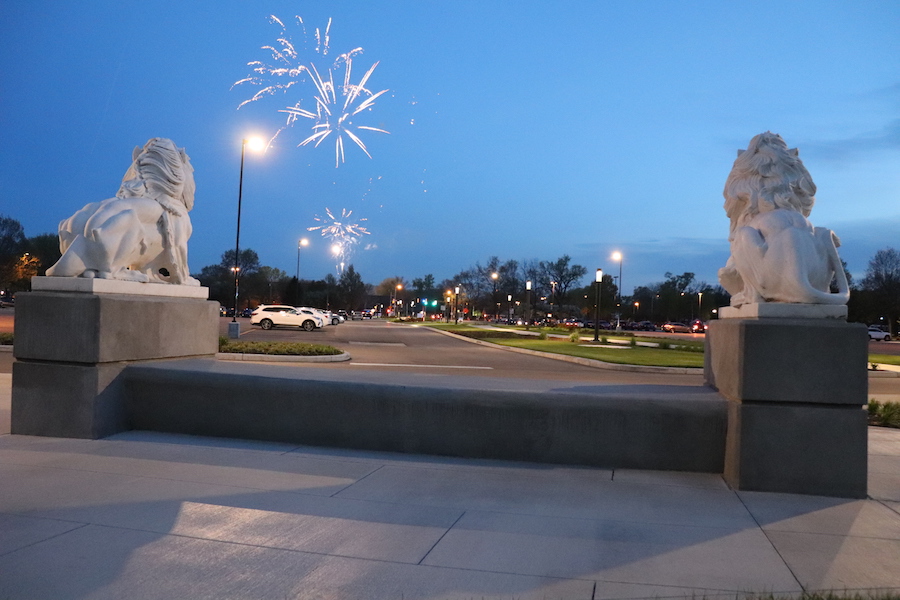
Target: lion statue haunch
column 776, row 253
column 142, row 233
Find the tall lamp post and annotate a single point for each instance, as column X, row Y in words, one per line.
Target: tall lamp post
column 617, row 256
column 456, row 304
column 495, row 276
column 700, row 305
column 256, row 144
column 527, row 304
column 597, row 281
column 509, row 302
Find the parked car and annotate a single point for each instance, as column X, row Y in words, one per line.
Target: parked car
column 324, row 316
column 246, row 313
column 673, row 327
column 280, row 315
column 645, row 326
column 879, row 335
column 698, row 326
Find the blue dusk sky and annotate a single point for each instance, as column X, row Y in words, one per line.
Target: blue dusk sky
column 525, row 130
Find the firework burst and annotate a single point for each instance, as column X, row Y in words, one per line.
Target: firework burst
column 343, row 233
column 336, row 105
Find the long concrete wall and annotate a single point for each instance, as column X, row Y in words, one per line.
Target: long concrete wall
column 649, row 429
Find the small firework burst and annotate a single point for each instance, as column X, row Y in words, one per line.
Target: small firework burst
column 343, row 233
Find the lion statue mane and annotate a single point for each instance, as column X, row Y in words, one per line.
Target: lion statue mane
column 776, row 253
column 141, row 234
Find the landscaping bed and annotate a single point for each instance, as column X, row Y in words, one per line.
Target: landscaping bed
column 228, row 346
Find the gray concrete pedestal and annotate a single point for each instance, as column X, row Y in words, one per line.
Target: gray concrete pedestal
column 796, row 390
column 72, row 346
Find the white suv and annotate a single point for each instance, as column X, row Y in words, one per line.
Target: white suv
column 269, row 316
column 876, row 333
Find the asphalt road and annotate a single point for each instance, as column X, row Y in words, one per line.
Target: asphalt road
column 377, row 344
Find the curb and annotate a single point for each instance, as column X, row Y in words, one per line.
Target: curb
column 238, row 356
column 6, row 348
column 883, row 373
column 587, row 362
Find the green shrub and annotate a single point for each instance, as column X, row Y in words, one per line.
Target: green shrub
column 481, row 334
column 665, row 346
column 885, row 414
column 633, row 342
column 543, row 335
column 6, row 339
column 277, row 348
column 575, row 336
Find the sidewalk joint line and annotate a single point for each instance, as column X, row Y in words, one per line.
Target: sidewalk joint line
column 462, row 514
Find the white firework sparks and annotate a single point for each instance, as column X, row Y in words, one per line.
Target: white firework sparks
column 336, row 106
column 333, row 118
column 343, row 233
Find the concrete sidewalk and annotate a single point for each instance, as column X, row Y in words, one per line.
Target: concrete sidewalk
column 146, row 515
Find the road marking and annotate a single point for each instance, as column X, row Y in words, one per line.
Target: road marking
column 378, row 343
column 361, row 364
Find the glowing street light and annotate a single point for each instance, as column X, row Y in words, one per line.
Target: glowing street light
column 256, row 144
column 597, row 281
column 300, row 244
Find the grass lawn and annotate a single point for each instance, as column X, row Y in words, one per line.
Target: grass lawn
column 884, row 359
column 658, row 357
column 626, row 355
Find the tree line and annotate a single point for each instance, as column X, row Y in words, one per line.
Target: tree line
column 261, row 284
column 495, row 287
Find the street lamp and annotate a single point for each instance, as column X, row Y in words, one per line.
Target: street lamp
column 456, row 304
column 597, row 282
column 300, row 244
column 700, row 305
column 527, row 304
column 495, row 276
column 256, row 144
column 617, row 256
column 553, row 285
column 396, row 300
column 509, row 301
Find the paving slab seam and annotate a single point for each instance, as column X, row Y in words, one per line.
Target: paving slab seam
column 349, row 485
column 80, row 524
column 889, row 507
column 769, row 540
column 260, row 546
column 443, row 535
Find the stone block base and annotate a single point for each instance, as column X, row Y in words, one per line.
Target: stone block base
column 800, row 449
column 67, row 400
column 99, row 328
column 71, row 348
column 788, row 360
column 795, row 390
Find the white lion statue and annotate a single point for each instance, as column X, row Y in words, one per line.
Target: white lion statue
column 142, row 233
column 776, row 253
